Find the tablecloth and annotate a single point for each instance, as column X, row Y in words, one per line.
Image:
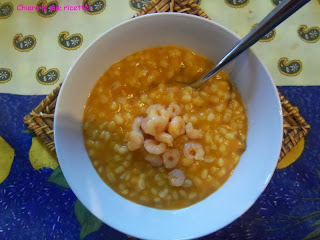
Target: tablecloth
column 36, row 51
column 33, row 43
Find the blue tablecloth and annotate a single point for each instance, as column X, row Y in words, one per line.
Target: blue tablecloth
column 33, row 208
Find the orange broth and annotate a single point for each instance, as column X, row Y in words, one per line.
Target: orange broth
column 148, row 77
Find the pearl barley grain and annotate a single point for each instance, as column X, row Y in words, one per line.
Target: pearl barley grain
column 119, row 119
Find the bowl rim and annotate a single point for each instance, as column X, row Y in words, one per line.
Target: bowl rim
column 155, row 15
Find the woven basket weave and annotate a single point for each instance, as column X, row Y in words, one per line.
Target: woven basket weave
column 40, row 120
column 186, row 6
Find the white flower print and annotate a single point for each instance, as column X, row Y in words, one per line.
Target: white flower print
column 313, row 34
column 27, row 43
column 235, row 2
column 74, row 41
column 98, row 5
column 269, row 34
column 3, row 75
column 294, row 67
column 51, row 76
column 5, row 10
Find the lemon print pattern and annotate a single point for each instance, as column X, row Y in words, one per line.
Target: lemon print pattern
column 6, row 9
column 292, row 68
column 268, row 37
column 6, row 159
column 292, row 156
column 72, row 42
column 237, row 3
column 51, row 9
column 5, row 75
column 24, row 44
column 96, row 6
column 310, row 35
column 40, row 157
column 47, row 77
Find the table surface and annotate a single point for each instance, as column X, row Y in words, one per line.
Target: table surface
column 31, row 207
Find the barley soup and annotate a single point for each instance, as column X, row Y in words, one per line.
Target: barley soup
column 160, row 143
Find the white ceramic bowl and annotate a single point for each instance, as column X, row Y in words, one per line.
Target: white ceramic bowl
column 250, row 177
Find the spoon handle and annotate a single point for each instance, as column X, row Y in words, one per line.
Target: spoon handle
column 284, row 10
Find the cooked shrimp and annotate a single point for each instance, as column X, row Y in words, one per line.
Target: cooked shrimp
column 154, row 125
column 135, row 140
column 193, row 150
column 153, row 107
column 136, row 125
column 174, row 110
column 157, row 110
column 193, row 133
column 176, row 177
column 171, row 158
column 154, row 147
column 154, row 160
column 165, row 138
column 176, row 127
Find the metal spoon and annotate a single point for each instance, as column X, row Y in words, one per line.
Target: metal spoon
column 284, row 10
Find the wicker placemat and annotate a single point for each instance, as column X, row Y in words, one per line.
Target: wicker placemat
column 40, row 120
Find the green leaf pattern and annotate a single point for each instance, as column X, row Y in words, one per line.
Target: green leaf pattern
column 58, row 178
column 88, row 222
column 313, row 235
column 291, row 221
